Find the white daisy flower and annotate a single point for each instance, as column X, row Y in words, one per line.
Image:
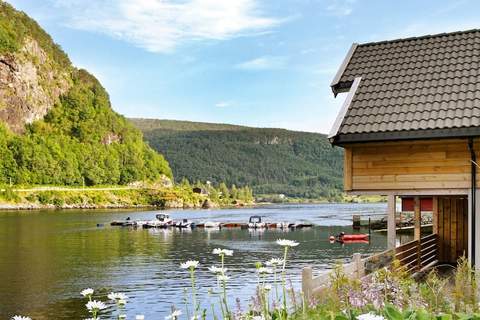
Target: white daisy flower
column 225, row 252
column 117, row 296
column 95, row 305
column 222, row 277
column 228, row 252
column 287, row 243
column 87, row 292
column 214, row 269
column 370, row 316
column 190, row 264
column 21, row 318
column 122, row 302
column 274, row 262
column 174, row 315
column 263, row 270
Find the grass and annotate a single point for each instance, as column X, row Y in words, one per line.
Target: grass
column 94, row 198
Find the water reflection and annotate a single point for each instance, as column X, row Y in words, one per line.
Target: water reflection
column 48, row 257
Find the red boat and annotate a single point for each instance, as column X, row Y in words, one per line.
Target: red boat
column 354, row 241
column 352, row 237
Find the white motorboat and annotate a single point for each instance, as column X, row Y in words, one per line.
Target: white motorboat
column 184, row 224
column 255, row 222
column 283, row 225
column 212, row 224
column 163, row 221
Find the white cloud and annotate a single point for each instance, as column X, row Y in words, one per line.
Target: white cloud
column 264, row 63
column 223, row 104
column 340, row 8
column 162, row 25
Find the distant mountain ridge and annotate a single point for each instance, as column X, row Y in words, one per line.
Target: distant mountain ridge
column 272, row 161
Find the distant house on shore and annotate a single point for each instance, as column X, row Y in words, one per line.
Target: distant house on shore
column 410, row 126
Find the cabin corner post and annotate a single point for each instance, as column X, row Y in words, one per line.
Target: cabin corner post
column 475, row 257
column 391, row 223
column 476, row 237
column 347, row 169
column 417, row 219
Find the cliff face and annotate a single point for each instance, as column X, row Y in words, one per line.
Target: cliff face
column 30, row 84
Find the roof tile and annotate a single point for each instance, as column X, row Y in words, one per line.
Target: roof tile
column 430, row 82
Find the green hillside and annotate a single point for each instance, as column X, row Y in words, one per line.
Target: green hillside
column 272, row 161
column 56, row 122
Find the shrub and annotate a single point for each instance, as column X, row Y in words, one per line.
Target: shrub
column 9, row 195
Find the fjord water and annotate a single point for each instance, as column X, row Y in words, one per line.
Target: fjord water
column 48, row 257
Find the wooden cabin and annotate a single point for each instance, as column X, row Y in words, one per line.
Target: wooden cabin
column 410, row 127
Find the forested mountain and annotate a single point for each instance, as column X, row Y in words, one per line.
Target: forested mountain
column 56, row 122
column 272, row 161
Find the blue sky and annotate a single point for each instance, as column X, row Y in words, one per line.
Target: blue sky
column 251, row 62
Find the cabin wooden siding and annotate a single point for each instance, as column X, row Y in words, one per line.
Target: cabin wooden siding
column 408, row 165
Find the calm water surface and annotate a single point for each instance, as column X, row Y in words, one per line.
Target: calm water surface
column 48, row 257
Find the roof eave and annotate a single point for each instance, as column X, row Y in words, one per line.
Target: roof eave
column 341, row 70
column 343, row 111
column 352, row 138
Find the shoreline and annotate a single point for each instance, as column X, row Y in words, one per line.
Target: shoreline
column 37, row 207
column 33, row 207
column 88, row 206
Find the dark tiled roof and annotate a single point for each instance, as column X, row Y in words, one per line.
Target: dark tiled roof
column 409, row 85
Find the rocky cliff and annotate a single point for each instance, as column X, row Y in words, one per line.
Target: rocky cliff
column 57, row 125
column 30, row 84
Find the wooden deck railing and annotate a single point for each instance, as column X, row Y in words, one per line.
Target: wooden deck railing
column 416, row 256
column 313, row 285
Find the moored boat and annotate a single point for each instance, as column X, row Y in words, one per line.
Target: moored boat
column 162, row 221
column 281, row 225
column 300, row 225
column 211, row 224
column 255, row 222
column 184, row 224
column 351, row 238
column 234, row 225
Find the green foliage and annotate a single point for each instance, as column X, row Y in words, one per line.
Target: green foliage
column 108, row 196
column 7, row 194
column 80, row 141
column 221, row 194
column 16, row 26
column 340, row 286
column 433, row 291
column 466, row 287
column 394, row 294
column 271, row 161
